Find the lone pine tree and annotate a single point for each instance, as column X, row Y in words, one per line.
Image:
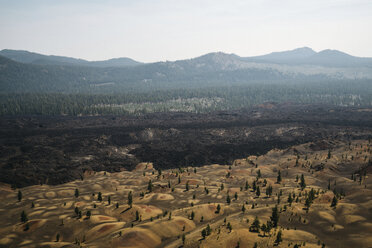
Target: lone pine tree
column 187, row 186
column 258, row 191
column 218, row 209
column 24, row 218
column 19, row 195
column 130, row 199
column 302, row 182
column 279, row 177
column 278, row 237
column 192, row 216
column 228, row 200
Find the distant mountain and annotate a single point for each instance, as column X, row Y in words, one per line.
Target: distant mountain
column 37, row 73
column 40, row 59
column 307, row 56
column 299, row 56
column 284, row 57
column 336, row 58
column 116, row 62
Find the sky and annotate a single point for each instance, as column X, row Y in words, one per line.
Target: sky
column 159, row 30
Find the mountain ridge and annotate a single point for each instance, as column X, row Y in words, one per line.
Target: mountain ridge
column 209, row 70
column 24, row 56
column 307, row 56
column 303, row 56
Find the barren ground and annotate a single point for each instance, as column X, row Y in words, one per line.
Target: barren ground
column 54, row 150
column 164, row 214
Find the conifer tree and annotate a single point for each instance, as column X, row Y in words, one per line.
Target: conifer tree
column 269, row 191
column 130, row 199
column 218, row 209
column 279, row 237
column 192, row 216
column 204, row 233
column 275, row 216
column 279, row 177
column 258, row 191
column 302, row 182
column 24, row 218
column 137, row 215
column 334, row 202
column 19, row 195
column 149, row 187
column 209, row 230
column 255, row 226
column 290, row 199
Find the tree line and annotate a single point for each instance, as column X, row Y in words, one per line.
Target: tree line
column 196, row 100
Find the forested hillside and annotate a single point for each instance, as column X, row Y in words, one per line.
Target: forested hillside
column 212, row 82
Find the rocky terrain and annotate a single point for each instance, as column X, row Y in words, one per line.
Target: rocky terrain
column 53, row 150
column 316, row 194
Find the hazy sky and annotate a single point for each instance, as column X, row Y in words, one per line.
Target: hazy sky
column 153, row 30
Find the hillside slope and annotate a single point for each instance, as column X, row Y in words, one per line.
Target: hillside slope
column 312, row 194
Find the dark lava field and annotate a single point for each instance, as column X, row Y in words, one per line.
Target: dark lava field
column 54, row 150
